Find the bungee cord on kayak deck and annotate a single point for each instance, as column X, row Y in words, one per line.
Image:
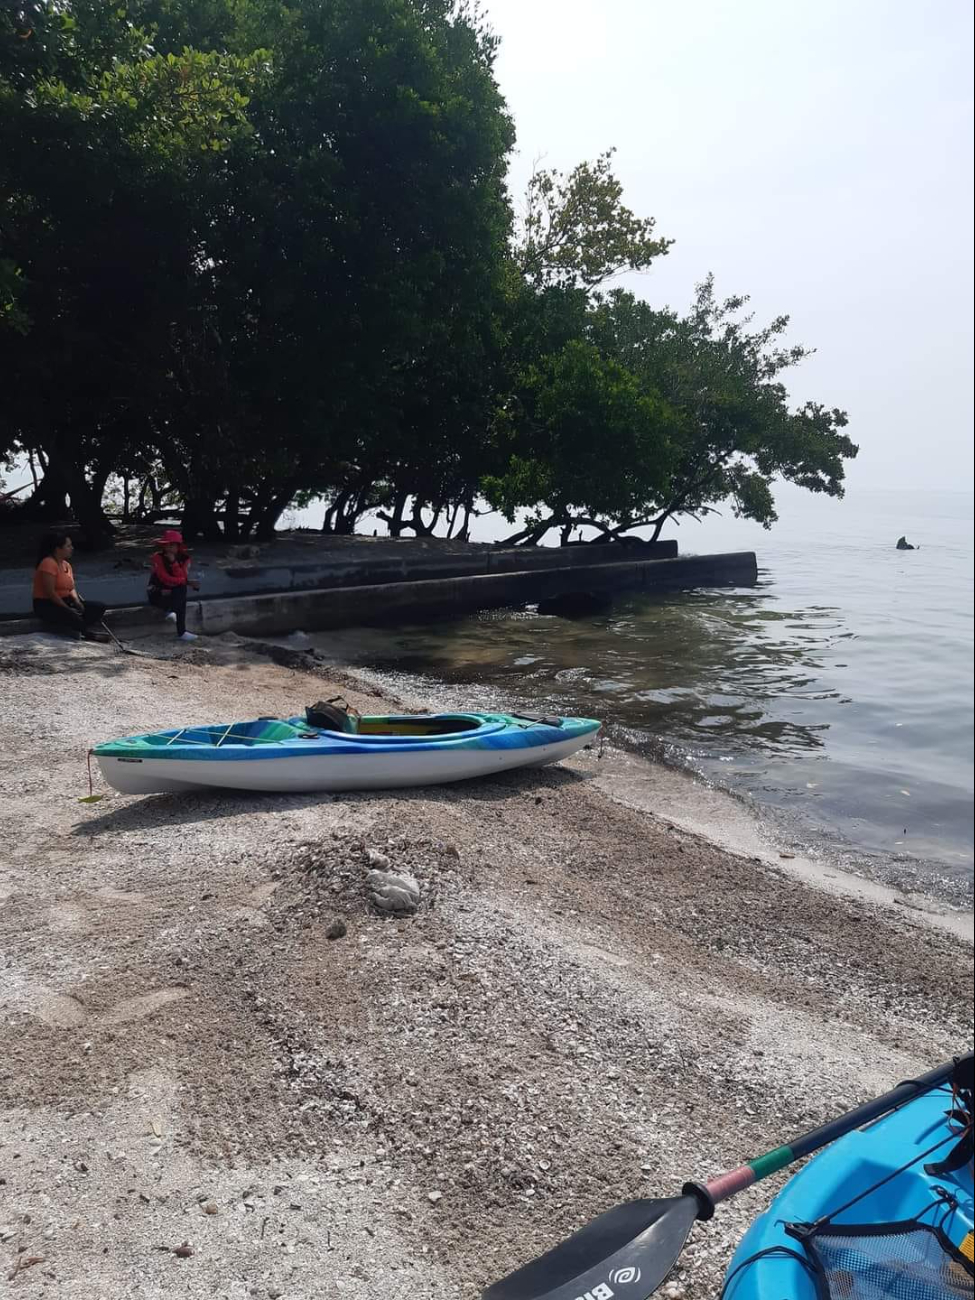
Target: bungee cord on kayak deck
column 769, row 1252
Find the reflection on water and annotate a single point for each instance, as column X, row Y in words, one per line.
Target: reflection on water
column 681, row 668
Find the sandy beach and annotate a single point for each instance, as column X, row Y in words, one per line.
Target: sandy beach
column 203, row 1094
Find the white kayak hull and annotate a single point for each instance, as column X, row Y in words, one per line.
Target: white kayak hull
column 328, row 772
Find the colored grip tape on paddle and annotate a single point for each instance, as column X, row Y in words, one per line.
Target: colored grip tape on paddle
column 725, row 1185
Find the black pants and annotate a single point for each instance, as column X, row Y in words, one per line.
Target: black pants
column 173, row 601
column 70, row 617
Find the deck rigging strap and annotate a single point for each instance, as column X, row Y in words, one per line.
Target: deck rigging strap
column 960, row 1114
column 231, row 735
column 868, row 1191
column 225, row 735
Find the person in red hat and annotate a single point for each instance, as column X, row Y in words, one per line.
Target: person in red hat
column 169, row 580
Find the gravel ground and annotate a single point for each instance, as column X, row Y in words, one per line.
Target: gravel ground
column 203, row 1094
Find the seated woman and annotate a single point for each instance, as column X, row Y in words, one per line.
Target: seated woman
column 169, row 580
column 56, row 598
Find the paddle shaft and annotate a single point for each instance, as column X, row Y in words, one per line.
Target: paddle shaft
column 736, row 1180
column 118, row 644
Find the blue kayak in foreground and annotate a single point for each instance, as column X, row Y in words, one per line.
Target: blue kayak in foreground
column 875, row 1216
column 274, row 754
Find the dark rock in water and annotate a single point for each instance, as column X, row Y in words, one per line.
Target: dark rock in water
column 904, row 545
column 575, row 604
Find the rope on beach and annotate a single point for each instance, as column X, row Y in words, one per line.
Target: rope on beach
column 91, row 797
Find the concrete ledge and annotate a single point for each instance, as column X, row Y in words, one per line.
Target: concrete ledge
column 120, row 616
column 388, row 562
column 400, row 602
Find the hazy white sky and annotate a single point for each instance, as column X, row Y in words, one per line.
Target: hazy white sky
column 816, row 154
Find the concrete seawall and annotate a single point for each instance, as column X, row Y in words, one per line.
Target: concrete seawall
column 383, row 602
column 403, row 601
column 358, row 563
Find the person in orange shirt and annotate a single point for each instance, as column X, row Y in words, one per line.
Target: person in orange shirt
column 56, row 598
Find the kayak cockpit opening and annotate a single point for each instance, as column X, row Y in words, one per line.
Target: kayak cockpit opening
column 425, row 726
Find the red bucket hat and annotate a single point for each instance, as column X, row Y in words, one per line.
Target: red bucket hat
column 171, row 537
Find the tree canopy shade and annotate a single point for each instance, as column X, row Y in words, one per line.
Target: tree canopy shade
column 265, row 229
column 255, row 252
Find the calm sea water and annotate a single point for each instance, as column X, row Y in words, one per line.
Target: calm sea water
column 838, row 692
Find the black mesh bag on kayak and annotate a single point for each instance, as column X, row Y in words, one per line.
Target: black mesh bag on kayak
column 886, row 1261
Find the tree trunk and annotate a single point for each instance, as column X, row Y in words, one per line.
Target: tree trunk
column 49, row 498
column 394, row 519
column 86, row 506
column 346, row 510
column 199, row 519
column 335, row 510
column 263, row 523
column 531, row 536
column 421, row 528
column 345, row 521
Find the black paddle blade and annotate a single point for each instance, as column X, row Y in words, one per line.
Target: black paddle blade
column 623, row 1255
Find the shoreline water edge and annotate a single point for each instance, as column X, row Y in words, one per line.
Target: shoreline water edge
column 666, row 787
column 214, row 1041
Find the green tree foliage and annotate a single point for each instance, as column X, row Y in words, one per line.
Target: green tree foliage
column 577, row 232
column 303, row 206
column 100, row 165
column 260, row 251
column 577, row 441
column 717, row 425
column 735, row 432
column 575, row 406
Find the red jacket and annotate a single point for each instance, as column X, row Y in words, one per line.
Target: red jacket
column 172, row 575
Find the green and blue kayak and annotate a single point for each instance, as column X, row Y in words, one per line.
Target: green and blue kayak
column 273, row 754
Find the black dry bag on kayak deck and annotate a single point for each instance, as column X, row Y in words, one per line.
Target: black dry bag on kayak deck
column 332, row 715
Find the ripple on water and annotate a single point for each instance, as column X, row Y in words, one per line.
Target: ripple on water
column 838, row 684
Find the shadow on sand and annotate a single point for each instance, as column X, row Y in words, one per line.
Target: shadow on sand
column 212, row 805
